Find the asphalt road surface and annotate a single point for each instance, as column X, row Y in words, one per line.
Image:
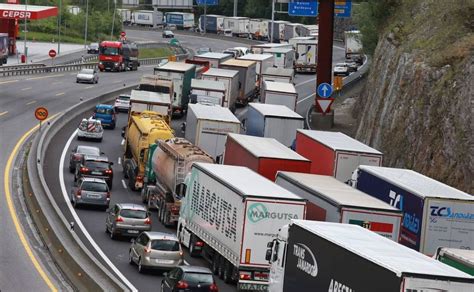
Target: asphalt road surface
column 19, row 97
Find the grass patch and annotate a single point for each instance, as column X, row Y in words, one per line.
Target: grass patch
column 155, row 53
column 47, row 37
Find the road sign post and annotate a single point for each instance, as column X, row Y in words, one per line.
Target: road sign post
column 41, row 114
column 52, row 54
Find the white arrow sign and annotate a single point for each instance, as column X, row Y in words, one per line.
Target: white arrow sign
column 324, row 104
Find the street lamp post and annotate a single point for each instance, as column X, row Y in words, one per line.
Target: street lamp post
column 87, row 18
column 113, row 20
column 273, row 20
column 25, row 50
column 59, row 28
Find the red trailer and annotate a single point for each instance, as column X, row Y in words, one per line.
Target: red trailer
column 334, row 153
column 266, row 156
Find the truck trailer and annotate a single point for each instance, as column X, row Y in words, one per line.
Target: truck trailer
column 147, row 18
column 279, row 93
column 265, row 156
column 334, row 153
column 181, row 74
column 214, row 23
column 283, row 57
column 214, row 59
column 160, row 103
column 273, row 121
column 238, row 25
column 461, row 259
column 434, row 214
column 215, row 90
column 309, row 256
column 247, row 78
column 182, row 20
column 353, row 45
column 333, row 201
column 169, row 161
column 279, row 75
column 207, row 126
column 228, row 215
column 230, row 78
column 264, row 61
column 306, row 55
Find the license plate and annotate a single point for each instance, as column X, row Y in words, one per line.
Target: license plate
column 164, row 261
column 133, row 231
column 253, row 287
column 94, row 196
column 96, row 172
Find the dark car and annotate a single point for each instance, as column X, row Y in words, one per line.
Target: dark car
column 189, row 278
column 90, row 191
column 78, row 153
column 95, row 166
column 93, row 48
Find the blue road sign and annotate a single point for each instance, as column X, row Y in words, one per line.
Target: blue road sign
column 207, row 2
column 343, row 8
column 324, row 90
column 303, row 8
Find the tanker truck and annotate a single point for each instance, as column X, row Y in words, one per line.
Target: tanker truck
column 168, row 164
column 142, row 130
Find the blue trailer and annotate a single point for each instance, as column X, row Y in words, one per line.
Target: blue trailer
column 434, row 214
column 182, row 20
column 214, row 23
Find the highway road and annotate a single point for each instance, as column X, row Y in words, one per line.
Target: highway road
column 25, row 264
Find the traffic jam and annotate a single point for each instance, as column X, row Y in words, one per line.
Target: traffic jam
column 267, row 204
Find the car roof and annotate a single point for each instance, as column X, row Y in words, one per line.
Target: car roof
column 161, row 235
column 87, row 147
column 195, row 269
column 93, row 179
column 96, row 158
column 104, row 106
column 131, row 206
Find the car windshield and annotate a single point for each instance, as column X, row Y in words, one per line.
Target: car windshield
column 124, row 97
column 135, row 214
column 109, row 51
column 96, row 165
column 102, row 110
column 94, row 186
column 165, row 245
column 87, row 71
column 88, row 150
column 198, row 278
column 94, row 46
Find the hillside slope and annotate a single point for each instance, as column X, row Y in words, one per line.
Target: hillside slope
column 418, row 102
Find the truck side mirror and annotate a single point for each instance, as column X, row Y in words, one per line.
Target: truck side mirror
column 268, row 255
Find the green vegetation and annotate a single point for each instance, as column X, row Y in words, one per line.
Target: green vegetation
column 73, row 26
column 48, row 37
column 155, row 53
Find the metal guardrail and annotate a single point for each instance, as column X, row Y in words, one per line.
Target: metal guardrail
column 21, row 66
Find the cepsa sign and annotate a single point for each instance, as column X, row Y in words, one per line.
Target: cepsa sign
column 17, row 14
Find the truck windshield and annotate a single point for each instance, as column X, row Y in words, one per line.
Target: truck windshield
column 109, row 51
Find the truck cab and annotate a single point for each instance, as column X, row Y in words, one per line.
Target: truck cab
column 276, row 254
column 118, row 56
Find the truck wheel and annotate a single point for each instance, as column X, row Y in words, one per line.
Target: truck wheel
column 215, row 263
column 124, row 169
column 228, row 269
column 221, row 267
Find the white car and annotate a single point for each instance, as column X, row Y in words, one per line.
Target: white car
column 341, row 69
column 90, row 129
column 243, row 50
column 88, row 76
column 228, row 32
column 122, row 103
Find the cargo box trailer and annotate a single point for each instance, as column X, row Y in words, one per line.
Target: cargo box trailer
column 273, row 121
column 334, row 153
column 323, row 256
column 279, row 75
column 265, row 156
column 279, row 93
column 214, row 59
column 461, row 259
column 181, row 75
column 353, row 44
column 147, row 18
column 160, row 103
column 295, row 40
column 214, row 23
column 278, row 30
column 238, row 25
column 434, row 214
column 210, row 88
column 247, row 78
column 283, row 57
column 125, row 14
column 333, row 201
column 258, row 29
column 207, row 127
column 291, row 30
column 264, row 61
column 182, row 20
column 306, row 55
column 228, row 215
column 258, row 49
column 230, row 78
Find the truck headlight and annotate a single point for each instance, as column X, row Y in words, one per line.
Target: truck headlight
column 116, row 64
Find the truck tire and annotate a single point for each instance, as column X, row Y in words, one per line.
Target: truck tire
column 221, row 267
column 215, row 263
column 228, row 270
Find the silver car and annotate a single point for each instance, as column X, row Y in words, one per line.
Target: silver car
column 90, row 191
column 78, row 153
column 156, row 250
column 127, row 220
column 88, row 76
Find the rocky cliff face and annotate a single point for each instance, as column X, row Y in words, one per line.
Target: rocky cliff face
column 418, row 102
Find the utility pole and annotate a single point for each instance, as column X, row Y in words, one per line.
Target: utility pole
column 205, row 16
column 235, row 7
column 113, row 20
column 25, row 50
column 87, row 18
column 273, row 20
column 59, row 28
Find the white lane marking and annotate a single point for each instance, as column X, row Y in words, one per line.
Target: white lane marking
column 44, row 77
column 123, row 142
column 307, row 81
column 61, row 93
column 78, row 220
column 124, row 184
column 3, row 113
column 31, row 102
column 9, row 81
column 340, row 48
column 89, row 87
column 309, row 96
column 119, row 160
column 26, row 88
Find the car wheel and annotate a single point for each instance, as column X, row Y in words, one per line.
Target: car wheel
column 77, row 81
column 141, row 268
column 71, row 169
column 113, row 126
column 130, row 257
column 112, row 235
